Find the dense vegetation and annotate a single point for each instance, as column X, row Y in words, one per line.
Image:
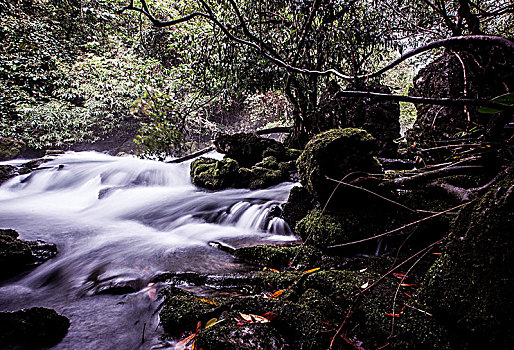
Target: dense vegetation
column 75, row 72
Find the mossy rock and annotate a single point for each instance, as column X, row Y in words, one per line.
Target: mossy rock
column 335, row 153
column 298, row 204
column 229, row 335
column 469, row 288
column 214, row 174
column 182, row 310
column 278, row 257
column 257, row 177
column 303, row 313
column 248, row 148
column 293, row 154
column 10, row 148
column 327, row 229
column 321, row 230
column 32, row 328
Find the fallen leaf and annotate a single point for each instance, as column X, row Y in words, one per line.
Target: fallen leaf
column 407, row 284
column 211, row 322
column 392, row 315
column 311, row 270
column 364, row 269
column 269, row 315
column 269, row 268
column 250, row 318
column 436, row 253
column 208, row 301
column 187, row 343
column 410, row 296
column 277, row 293
column 365, row 285
column 400, row 275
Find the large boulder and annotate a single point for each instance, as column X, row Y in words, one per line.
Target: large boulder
column 337, row 154
column 248, row 148
column 489, row 72
column 226, row 173
column 379, row 117
column 32, row 328
column 469, row 288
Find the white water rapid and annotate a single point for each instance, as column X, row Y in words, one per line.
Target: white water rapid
column 123, row 220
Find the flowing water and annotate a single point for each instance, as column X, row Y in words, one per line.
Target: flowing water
column 124, row 220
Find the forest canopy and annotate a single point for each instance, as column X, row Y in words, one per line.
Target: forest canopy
column 177, row 73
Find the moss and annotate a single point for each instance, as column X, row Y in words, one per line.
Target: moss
column 214, row 174
column 182, row 311
column 321, row 230
column 468, row 289
column 54, row 152
column 228, row 335
column 292, row 154
column 269, row 162
column 328, row 229
column 278, row 257
column 248, row 148
column 298, row 205
column 335, row 153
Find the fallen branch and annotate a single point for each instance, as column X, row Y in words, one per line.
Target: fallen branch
column 192, row 155
column 434, row 174
column 372, row 193
column 275, row 130
column 266, row 51
column 278, row 129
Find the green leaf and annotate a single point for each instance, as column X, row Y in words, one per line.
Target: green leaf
column 488, row 110
column 506, row 99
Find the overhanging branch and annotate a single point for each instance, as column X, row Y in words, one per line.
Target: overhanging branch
column 267, row 52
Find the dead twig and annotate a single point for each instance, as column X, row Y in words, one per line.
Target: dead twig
column 373, row 193
column 400, row 228
column 356, row 298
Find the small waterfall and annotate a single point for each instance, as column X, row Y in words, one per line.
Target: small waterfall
column 120, row 221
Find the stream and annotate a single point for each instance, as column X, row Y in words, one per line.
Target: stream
column 122, row 221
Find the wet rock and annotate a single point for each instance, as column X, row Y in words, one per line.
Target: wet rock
column 7, row 172
column 17, row 255
column 468, row 289
column 489, row 73
column 10, row 148
column 214, row 174
column 298, row 204
column 34, row 328
column 336, row 154
column 182, row 310
column 302, row 316
column 304, row 257
column 221, row 174
column 248, row 148
column 379, row 117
